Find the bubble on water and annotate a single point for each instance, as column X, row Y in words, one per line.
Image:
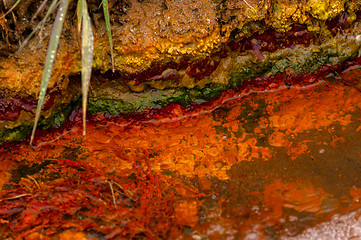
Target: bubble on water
column 196, row 235
column 252, row 236
column 358, row 38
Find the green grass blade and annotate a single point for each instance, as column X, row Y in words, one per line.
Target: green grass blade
column 54, row 4
column 12, row 8
column 107, row 23
column 50, row 56
column 41, row 24
column 87, row 49
column 39, row 10
column 79, row 13
column 51, row 9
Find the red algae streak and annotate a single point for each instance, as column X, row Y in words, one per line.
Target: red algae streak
column 264, row 41
column 257, row 163
column 10, row 109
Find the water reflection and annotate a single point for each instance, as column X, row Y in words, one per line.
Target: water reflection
column 248, row 165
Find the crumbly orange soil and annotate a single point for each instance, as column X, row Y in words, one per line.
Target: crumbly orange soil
column 148, row 32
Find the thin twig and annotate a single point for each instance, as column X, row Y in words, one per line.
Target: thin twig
column 126, row 193
column 249, row 5
column 112, row 190
column 37, row 184
column 15, row 197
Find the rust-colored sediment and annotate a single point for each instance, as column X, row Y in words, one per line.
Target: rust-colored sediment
column 266, row 162
column 269, row 159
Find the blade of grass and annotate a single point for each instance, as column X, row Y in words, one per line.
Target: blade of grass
column 11, row 9
column 39, row 10
column 41, row 24
column 79, row 13
column 87, row 48
column 107, row 23
column 50, row 56
column 54, row 4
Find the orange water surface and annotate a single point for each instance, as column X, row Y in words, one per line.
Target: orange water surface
column 251, row 164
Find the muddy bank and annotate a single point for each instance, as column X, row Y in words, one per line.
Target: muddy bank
column 168, row 51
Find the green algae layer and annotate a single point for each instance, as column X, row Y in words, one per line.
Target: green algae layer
column 230, row 73
column 53, row 121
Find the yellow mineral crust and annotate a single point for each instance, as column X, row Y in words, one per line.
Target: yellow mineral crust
column 21, row 73
column 159, row 32
column 285, row 13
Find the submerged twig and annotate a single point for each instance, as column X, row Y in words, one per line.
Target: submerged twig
column 36, row 182
column 112, row 190
column 126, row 193
column 15, row 197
